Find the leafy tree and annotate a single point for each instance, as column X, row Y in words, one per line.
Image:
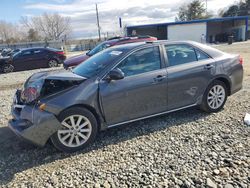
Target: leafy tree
column 241, row 8
column 193, row 11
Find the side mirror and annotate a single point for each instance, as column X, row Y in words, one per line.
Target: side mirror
column 115, row 74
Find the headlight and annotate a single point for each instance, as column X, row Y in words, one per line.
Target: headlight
column 30, row 94
column 31, row 91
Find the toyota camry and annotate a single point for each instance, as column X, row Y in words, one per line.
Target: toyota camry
column 123, row 84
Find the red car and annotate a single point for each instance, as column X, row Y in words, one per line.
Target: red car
column 76, row 60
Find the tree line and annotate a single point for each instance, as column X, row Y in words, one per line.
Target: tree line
column 45, row 27
column 197, row 10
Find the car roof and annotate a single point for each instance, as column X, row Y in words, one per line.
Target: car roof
column 40, row 48
column 212, row 52
column 33, row 48
column 128, row 39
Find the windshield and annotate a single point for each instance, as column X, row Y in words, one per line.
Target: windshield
column 98, row 48
column 16, row 54
column 92, row 66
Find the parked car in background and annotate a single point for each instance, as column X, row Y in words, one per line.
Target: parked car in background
column 76, row 60
column 120, row 85
column 32, row 58
column 6, row 52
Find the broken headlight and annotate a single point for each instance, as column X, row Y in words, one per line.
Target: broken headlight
column 31, row 91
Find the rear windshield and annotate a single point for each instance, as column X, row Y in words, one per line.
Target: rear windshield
column 94, row 65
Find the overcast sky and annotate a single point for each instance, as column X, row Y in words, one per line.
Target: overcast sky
column 82, row 12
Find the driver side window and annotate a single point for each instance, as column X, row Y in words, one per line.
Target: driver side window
column 141, row 61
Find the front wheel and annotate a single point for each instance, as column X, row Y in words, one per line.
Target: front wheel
column 7, row 68
column 215, row 97
column 79, row 129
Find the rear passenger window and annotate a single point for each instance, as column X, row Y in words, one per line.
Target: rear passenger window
column 201, row 55
column 180, row 54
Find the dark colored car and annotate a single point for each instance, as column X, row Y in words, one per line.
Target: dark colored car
column 76, row 60
column 6, row 52
column 120, row 85
column 32, row 58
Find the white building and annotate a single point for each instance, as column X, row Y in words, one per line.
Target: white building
column 209, row 30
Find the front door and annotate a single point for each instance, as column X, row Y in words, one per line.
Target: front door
column 189, row 72
column 24, row 61
column 142, row 92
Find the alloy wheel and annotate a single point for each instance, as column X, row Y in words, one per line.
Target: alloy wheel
column 52, row 63
column 8, row 68
column 216, row 97
column 76, row 131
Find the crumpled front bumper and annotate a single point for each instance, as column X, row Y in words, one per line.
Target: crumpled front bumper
column 33, row 125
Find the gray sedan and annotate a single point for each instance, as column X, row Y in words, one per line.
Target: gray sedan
column 120, row 85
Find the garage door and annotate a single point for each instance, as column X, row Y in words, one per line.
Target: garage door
column 192, row 31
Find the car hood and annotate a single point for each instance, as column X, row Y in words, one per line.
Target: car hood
column 76, row 60
column 44, row 84
column 54, row 75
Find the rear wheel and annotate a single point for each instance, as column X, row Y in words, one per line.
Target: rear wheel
column 52, row 63
column 215, row 97
column 79, row 130
column 7, row 68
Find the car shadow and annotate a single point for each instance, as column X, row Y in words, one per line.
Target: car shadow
column 17, row 155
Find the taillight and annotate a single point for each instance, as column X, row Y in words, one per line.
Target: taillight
column 60, row 52
column 241, row 60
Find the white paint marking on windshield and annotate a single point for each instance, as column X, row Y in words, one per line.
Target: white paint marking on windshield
column 115, row 53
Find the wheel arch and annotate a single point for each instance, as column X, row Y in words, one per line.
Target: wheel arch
column 53, row 58
column 226, row 81
column 88, row 107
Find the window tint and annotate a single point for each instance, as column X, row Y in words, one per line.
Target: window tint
column 141, row 61
column 201, row 55
column 180, row 53
column 28, row 52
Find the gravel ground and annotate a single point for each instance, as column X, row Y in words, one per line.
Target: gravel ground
column 183, row 149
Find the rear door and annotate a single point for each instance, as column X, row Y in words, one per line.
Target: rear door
column 189, row 72
column 141, row 93
column 40, row 58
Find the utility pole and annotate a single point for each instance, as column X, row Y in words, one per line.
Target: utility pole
column 98, row 24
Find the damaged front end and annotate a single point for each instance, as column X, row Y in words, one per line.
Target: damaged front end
column 29, row 121
column 44, row 84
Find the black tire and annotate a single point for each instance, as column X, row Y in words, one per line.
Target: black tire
column 92, row 135
column 52, row 63
column 7, row 68
column 205, row 105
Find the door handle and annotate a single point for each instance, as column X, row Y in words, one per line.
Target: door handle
column 208, row 66
column 159, row 78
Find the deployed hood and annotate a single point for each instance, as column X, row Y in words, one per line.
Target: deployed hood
column 49, row 82
column 76, row 60
column 54, row 75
